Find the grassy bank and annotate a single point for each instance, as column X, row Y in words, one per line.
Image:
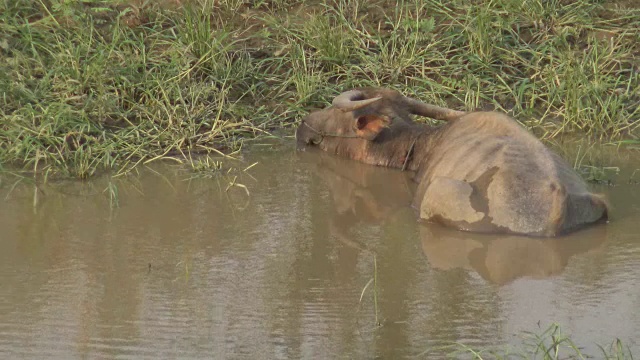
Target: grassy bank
column 97, row 85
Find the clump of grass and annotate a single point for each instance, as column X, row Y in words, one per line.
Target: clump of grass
column 551, row 344
column 112, row 97
column 109, row 84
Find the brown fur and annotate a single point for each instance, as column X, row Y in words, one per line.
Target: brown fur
column 480, row 172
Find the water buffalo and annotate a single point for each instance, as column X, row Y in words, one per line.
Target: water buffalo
column 480, row 172
column 362, row 194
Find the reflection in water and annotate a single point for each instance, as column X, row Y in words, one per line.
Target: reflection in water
column 188, row 268
column 360, row 193
column 503, row 259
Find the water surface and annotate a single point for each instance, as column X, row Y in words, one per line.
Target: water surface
column 190, row 267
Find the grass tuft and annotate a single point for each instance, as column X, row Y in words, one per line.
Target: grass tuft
column 550, row 344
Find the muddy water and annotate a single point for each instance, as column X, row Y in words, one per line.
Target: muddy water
column 186, row 268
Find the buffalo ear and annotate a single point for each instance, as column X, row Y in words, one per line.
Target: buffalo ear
column 369, row 126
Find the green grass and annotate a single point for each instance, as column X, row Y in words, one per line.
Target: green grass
column 550, row 344
column 105, row 85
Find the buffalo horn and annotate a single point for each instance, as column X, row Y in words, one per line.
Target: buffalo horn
column 346, row 102
column 432, row 111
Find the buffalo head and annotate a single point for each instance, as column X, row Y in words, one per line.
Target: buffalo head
column 363, row 114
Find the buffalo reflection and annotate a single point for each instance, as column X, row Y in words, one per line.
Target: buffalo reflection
column 360, row 193
column 502, row 259
column 368, row 194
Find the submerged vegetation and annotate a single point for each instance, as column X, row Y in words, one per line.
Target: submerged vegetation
column 109, row 84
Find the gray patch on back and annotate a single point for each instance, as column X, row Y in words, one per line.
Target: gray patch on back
column 460, row 204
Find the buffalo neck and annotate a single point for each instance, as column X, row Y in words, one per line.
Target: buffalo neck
column 390, row 149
